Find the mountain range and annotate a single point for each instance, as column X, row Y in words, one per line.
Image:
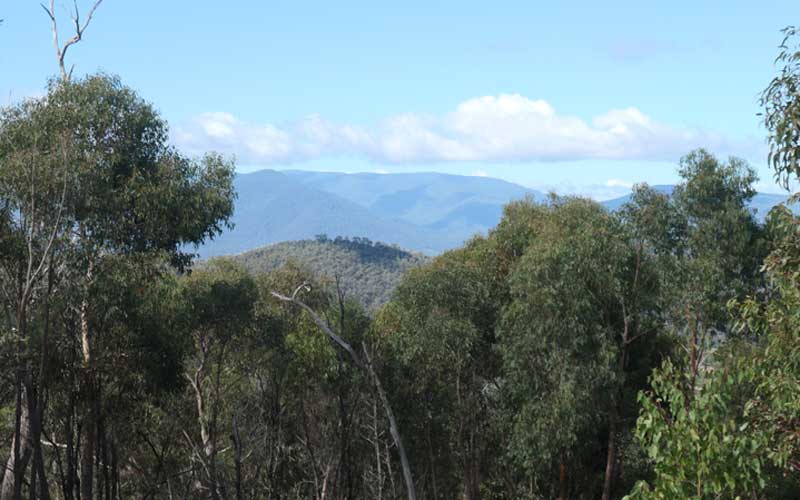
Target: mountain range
column 423, row 212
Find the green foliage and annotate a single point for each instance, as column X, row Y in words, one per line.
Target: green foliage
column 782, row 111
column 94, row 206
column 577, row 330
column 729, row 428
column 101, row 165
column 218, row 298
column 366, row 271
column 557, row 317
column 517, row 364
column 700, row 442
column 440, row 329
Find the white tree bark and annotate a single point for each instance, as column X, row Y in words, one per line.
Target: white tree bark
column 366, row 365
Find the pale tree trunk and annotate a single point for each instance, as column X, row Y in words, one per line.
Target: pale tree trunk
column 207, row 437
column 89, row 421
column 20, row 455
column 366, row 365
column 393, row 429
column 80, row 28
column 612, row 455
column 36, row 410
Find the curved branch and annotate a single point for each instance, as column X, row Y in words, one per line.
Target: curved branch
column 366, row 365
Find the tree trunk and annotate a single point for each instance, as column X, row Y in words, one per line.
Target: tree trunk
column 37, row 411
column 89, row 438
column 612, row 454
column 36, row 416
column 20, row 443
column 114, row 470
column 366, row 365
column 472, row 488
column 71, row 454
column 562, row 478
column 68, row 483
column 21, row 450
column 38, row 463
column 90, row 416
column 393, row 429
column 237, row 447
column 205, row 423
column 88, row 447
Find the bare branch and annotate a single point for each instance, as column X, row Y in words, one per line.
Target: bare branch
column 61, row 52
column 366, row 365
column 320, row 323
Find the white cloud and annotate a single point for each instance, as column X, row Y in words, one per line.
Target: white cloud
column 598, row 192
column 619, row 183
column 218, row 125
column 503, row 128
column 480, row 173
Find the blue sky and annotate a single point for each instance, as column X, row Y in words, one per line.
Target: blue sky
column 578, row 96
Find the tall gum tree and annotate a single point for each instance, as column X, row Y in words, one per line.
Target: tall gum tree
column 95, row 156
column 580, row 328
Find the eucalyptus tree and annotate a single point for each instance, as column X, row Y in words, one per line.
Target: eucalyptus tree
column 709, row 241
column 87, row 177
column 218, row 301
column 581, row 327
column 723, row 244
column 782, row 109
column 709, row 247
column 730, row 429
column 362, row 359
column 440, row 326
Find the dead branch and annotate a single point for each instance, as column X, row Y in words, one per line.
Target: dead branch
column 365, row 364
column 80, row 28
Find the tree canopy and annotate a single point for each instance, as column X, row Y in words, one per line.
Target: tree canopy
column 572, row 352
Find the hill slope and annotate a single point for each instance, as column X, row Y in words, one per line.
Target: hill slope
column 368, row 271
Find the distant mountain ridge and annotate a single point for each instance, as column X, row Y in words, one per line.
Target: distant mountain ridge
column 424, row 212
column 419, row 198
column 272, row 207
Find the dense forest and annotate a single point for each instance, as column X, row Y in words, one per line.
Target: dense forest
column 365, row 270
column 652, row 352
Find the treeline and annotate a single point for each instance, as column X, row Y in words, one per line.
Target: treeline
column 370, row 250
column 367, row 272
column 572, row 353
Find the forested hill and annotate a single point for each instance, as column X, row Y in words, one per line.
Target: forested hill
column 369, row 271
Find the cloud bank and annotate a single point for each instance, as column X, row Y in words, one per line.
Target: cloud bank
column 503, row 128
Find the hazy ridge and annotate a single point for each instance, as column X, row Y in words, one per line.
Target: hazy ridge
column 424, row 212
